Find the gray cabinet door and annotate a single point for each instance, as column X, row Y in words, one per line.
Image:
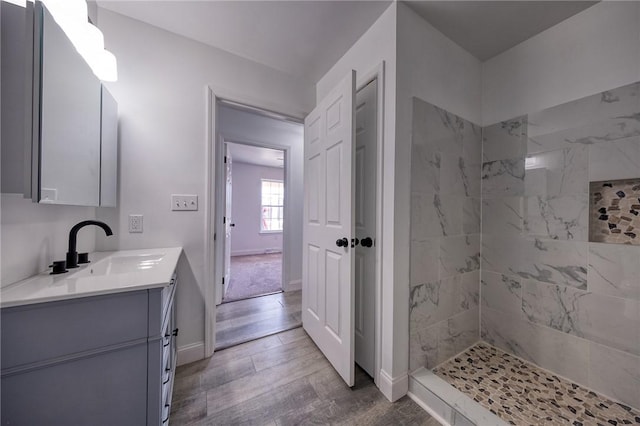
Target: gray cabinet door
column 74, row 392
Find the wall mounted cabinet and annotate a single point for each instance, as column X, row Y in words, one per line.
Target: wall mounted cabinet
column 59, row 122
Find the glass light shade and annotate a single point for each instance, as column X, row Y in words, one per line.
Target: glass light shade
column 92, row 40
column 108, row 67
column 68, row 12
column 21, row 3
column 88, row 40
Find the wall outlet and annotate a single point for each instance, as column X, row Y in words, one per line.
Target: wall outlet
column 135, row 223
column 184, row 202
column 48, row 195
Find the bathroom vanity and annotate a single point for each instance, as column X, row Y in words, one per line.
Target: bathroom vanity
column 96, row 346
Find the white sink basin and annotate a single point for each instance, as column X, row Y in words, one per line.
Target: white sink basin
column 109, row 272
column 121, row 264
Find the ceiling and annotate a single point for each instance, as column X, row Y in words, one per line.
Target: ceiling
column 304, row 38
column 256, row 155
column 301, row 38
column 488, row 28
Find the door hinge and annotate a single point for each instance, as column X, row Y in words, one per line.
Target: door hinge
column 222, row 280
column 225, row 159
column 224, row 220
column 214, row 236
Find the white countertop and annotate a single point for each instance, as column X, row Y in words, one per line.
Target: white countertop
column 150, row 268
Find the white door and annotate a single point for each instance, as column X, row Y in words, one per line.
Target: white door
column 365, row 223
column 327, row 268
column 228, row 223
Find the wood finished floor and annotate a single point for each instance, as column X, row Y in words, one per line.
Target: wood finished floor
column 282, row 379
column 245, row 320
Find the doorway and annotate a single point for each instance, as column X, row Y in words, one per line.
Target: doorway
column 366, row 156
column 368, row 317
column 257, row 217
column 254, row 221
column 252, row 132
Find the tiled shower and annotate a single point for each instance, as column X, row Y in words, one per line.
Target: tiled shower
column 501, row 251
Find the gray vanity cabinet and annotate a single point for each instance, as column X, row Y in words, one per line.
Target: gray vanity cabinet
column 101, row 360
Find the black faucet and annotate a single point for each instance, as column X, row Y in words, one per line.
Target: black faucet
column 72, row 254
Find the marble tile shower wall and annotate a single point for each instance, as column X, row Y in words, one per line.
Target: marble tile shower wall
column 445, row 235
column 547, row 294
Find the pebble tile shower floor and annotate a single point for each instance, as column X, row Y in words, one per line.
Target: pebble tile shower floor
column 522, row 394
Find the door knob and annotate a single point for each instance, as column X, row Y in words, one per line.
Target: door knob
column 342, row 242
column 354, row 242
column 366, row 242
column 232, row 225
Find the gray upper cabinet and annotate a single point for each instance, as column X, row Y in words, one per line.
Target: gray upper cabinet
column 14, row 97
column 61, row 143
column 109, row 150
column 70, row 122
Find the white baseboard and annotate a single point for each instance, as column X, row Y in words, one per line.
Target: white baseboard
column 294, row 285
column 393, row 388
column 190, row 353
column 251, row 252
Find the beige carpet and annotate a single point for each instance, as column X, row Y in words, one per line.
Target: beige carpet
column 254, row 275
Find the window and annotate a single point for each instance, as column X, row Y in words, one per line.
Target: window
column 272, row 206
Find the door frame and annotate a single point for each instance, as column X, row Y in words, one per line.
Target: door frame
column 377, row 73
column 220, row 199
column 214, row 95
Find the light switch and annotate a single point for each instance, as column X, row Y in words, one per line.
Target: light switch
column 184, row 202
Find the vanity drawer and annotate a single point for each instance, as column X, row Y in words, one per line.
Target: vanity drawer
column 74, row 393
column 167, row 383
column 160, row 305
column 44, row 331
column 166, row 410
column 168, row 293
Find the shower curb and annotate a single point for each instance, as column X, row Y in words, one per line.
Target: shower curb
column 447, row 404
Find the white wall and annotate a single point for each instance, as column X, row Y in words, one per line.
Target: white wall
column 242, row 126
column 376, row 45
column 434, row 69
column 593, row 51
column 161, row 99
column 246, row 211
column 34, row 235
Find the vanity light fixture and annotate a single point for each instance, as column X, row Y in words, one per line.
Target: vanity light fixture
column 72, row 16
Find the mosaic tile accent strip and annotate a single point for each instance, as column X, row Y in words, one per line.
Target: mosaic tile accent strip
column 522, row 394
column 614, row 211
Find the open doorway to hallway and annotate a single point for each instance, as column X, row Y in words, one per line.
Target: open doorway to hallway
column 255, row 200
column 258, row 223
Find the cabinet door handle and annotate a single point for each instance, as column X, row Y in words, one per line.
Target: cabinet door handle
column 168, row 412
